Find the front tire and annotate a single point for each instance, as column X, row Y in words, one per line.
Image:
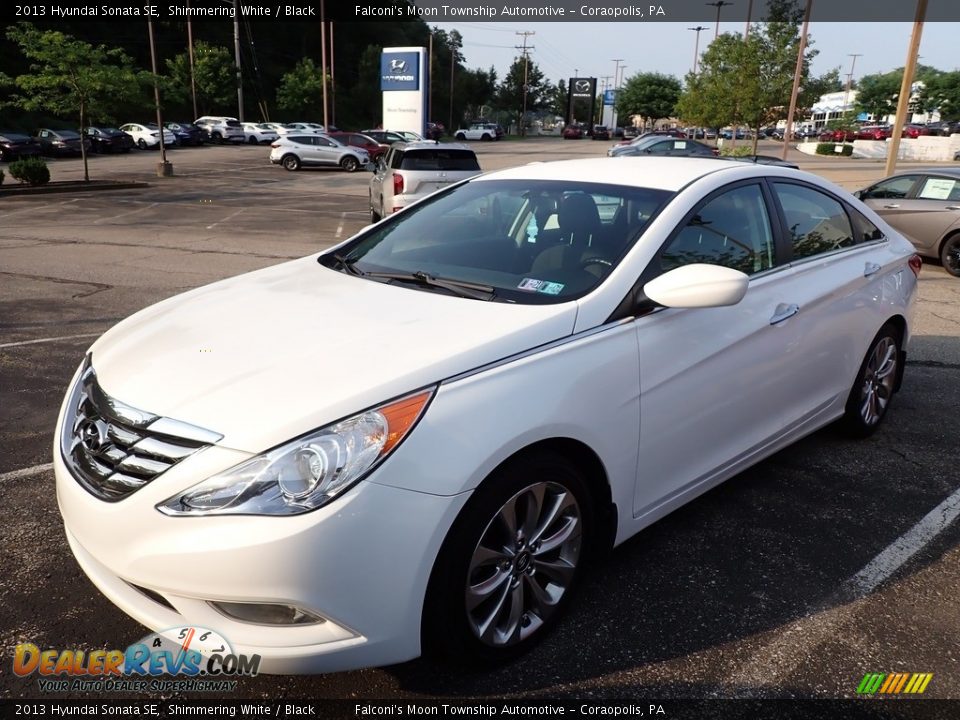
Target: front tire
column 290, row 162
column 142, row 144
column 461, row 137
column 252, row 140
column 510, row 562
column 950, row 255
column 875, row 385
column 350, row 164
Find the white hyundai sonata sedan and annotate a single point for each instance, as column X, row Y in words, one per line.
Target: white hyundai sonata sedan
column 417, row 440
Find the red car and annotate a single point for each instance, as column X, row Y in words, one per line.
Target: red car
column 360, row 140
column 873, row 132
column 915, row 131
column 837, row 136
column 572, row 132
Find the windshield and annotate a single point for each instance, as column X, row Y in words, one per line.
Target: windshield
column 532, row 241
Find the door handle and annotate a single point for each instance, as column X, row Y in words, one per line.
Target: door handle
column 953, row 207
column 783, row 312
column 870, row 268
column 891, row 207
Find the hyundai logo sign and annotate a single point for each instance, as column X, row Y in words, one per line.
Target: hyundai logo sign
column 399, row 71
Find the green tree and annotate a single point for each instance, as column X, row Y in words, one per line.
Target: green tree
column 214, row 75
column 878, row 93
column 710, row 97
column 814, row 87
column 510, row 91
column 557, row 102
column 650, row 95
column 70, row 77
column 944, row 93
column 301, row 90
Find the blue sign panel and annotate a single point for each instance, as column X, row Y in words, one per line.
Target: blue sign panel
column 399, row 71
column 609, row 96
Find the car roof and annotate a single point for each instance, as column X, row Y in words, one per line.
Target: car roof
column 661, row 173
column 429, row 144
column 943, row 170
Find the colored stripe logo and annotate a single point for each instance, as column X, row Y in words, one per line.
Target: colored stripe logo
column 894, row 683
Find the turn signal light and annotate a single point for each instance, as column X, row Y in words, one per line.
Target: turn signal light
column 398, row 184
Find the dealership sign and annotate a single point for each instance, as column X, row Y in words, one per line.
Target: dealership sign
column 405, row 82
column 399, row 71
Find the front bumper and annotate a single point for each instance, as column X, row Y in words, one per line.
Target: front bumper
column 362, row 563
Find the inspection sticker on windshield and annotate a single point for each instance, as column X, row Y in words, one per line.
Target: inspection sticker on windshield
column 541, row 286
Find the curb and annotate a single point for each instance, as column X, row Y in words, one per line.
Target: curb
column 70, row 186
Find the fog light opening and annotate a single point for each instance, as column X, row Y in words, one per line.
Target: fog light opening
column 266, row 613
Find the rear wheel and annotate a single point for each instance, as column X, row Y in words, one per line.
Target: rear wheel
column 460, row 136
column 290, row 162
column 511, row 561
column 350, row 163
column 252, row 140
column 485, row 137
column 217, row 138
column 873, row 389
column 142, row 144
column 950, row 255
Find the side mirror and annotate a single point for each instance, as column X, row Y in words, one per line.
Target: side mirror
column 698, row 286
column 858, row 193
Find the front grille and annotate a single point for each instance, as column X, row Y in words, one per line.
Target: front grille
column 113, row 449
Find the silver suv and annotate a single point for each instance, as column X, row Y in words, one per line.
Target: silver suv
column 412, row 170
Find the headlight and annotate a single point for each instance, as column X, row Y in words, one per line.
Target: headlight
column 308, row 472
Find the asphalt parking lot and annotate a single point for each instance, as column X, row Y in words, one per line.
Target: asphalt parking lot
column 793, row 579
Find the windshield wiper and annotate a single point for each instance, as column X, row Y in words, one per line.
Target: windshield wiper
column 474, row 291
column 347, row 264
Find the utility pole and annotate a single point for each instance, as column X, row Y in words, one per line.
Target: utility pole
column 236, row 57
column 746, row 32
column 696, row 46
column 718, row 4
column 903, row 103
column 323, row 61
column 798, row 71
column 616, row 86
column 333, row 83
column 526, row 66
column 164, row 169
column 193, row 82
column 453, row 64
column 430, row 77
column 846, row 94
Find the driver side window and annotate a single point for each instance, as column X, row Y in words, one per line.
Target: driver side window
column 731, row 229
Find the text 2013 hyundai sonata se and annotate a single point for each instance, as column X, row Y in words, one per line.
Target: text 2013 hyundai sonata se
column 416, row 440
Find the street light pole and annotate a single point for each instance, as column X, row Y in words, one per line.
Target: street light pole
column 846, row 94
column 164, row 169
column 696, row 46
column 718, row 4
column 323, row 63
column 193, row 82
column 236, row 55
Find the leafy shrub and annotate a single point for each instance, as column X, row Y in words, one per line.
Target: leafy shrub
column 829, row 148
column 32, row 171
column 738, row 151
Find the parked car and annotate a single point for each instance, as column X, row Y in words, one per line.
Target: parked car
column 600, row 132
column 359, row 140
column 221, row 129
column 915, row 131
column 763, row 160
column 435, row 130
column 186, row 133
column 302, row 127
column 873, row 132
column 838, row 135
column 923, row 205
column 629, row 132
column 14, row 145
column 411, row 171
column 148, row 136
column 108, row 140
column 60, row 142
column 806, row 133
column 384, row 137
column 420, row 440
column 295, row 151
column 280, row 129
column 479, row 131
column 257, row 133
column 944, row 127
column 662, row 145
column 572, row 131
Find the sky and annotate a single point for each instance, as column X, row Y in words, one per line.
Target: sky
column 560, row 48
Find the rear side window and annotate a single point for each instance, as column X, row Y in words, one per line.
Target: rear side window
column 939, row 188
column 817, row 223
column 439, row 159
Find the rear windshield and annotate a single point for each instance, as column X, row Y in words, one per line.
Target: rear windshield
column 439, row 159
column 233, row 123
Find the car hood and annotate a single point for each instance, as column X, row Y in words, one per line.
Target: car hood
column 267, row 356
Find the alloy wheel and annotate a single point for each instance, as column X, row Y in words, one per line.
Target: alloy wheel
column 878, row 380
column 523, row 564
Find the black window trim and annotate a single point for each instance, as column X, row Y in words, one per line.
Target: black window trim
column 784, row 229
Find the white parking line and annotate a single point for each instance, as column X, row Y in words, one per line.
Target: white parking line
column 37, row 209
column 25, row 472
column 49, row 339
column 906, row 546
column 129, row 212
column 343, row 218
column 231, row 215
column 796, row 643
